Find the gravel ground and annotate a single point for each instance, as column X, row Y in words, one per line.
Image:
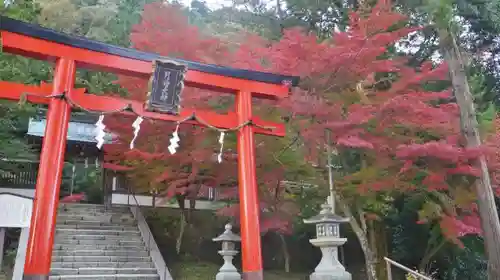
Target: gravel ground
column 200, row 271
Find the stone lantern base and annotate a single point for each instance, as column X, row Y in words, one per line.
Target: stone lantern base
column 329, row 267
column 228, row 271
column 337, row 275
column 228, row 276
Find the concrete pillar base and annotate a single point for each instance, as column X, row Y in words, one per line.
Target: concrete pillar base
column 21, row 256
column 2, row 242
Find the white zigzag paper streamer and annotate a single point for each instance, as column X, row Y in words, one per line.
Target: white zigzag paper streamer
column 174, row 141
column 137, row 127
column 99, row 132
column 221, row 142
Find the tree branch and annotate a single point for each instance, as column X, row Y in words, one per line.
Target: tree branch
column 362, row 218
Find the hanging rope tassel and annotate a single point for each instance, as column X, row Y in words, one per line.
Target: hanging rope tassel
column 137, row 127
column 174, row 141
column 221, row 142
column 99, row 132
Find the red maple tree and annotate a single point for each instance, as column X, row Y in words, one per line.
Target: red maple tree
column 405, row 136
column 188, row 173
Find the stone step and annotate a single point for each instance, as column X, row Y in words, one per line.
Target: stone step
column 62, row 242
column 102, row 264
column 96, row 217
column 92, row 213
column 97, row 227
column 92, row 210
column 107, row 277
column 99, row 218
column 83, row 222
column 100, row 259
column 64, row 247
column 142, row 253
column 101, row 271
column 59, row 237
column 81, row 211
column 122, row 233
column 91, row 206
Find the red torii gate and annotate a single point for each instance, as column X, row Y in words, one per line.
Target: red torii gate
column 70, row 52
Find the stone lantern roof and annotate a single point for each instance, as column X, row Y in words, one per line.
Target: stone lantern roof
column 326, row 215
column 228, row 235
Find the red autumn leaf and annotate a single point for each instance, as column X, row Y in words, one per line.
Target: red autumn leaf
column 407, row 166
column 354, row 142
column 117, row 167
column 464, row 170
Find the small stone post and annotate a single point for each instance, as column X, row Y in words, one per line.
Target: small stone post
column 228, row 271
column 328, row 240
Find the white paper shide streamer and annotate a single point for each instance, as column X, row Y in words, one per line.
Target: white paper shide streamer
column 174, row 141
column 221, row 142
column 99, row 132
column 137, row 127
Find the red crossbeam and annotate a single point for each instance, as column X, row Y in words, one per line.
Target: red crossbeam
column 46, row 50
column 41, row 95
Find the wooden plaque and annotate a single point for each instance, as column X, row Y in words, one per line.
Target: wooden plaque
column 165, row 87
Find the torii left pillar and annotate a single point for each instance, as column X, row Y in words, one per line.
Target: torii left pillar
column 43, row 220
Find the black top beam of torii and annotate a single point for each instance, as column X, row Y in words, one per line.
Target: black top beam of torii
column 39, row 32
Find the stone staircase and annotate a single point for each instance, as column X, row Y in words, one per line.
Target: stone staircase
column 93, row 242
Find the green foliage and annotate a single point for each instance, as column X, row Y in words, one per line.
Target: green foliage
column 482, row 87
column 20, row 69
column 13, row 117
column 468, row 263
column 13, row 124
column 483, row 14
column 108, row 21
column 25, row 10
column 485, row 92
column 83, row 179
column 441, row 11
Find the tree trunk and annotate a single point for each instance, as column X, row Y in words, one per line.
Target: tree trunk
column 486, row 200
column 360, row 230
column 370, row 259
column 378, row 244
column 182, row 229
column 182, row 222
column 286, row 254
column 423, row 267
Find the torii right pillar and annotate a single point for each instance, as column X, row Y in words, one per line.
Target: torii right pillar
column 248, row 192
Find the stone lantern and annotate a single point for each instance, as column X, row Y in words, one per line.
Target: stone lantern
column 228, row 271
column 328, row 240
